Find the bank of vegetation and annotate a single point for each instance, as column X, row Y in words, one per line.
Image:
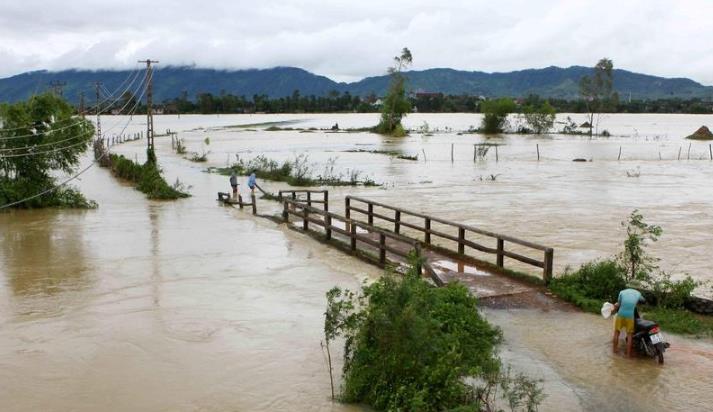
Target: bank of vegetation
column 666, row 298
column 40, row 138
column 295, row 172
column 410, row 346
column 147, row 178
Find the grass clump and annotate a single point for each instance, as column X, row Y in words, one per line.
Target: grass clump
column 147, row 178
column 297, row 172
column 410, row 346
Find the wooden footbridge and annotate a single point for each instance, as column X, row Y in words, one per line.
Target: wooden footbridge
column 391, row 236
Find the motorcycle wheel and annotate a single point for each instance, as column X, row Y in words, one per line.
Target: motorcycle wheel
column 658, row 353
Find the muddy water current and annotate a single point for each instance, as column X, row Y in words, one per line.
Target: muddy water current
column 186, row 305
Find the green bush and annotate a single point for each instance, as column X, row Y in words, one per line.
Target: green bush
column 495, row 113
column 13, row 190
column 592, row 284
column 410, row 346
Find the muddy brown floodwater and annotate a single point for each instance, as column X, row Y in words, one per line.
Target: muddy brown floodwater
column 186, row 305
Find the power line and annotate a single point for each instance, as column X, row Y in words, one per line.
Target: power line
column 31, row 148
column 135, row 74
column 65, row 182
column 61, row 128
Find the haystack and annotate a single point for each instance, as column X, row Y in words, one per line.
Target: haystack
column 703, row 133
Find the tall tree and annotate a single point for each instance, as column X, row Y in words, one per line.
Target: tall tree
column 38, row 139
column 396, row 105
column 597, row 91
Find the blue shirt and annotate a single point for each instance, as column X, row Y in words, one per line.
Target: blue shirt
column 252, row 181
column 628, row 298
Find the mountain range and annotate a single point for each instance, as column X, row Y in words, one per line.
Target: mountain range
column 171, row 82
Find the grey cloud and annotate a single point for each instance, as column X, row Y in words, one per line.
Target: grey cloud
column 346, row 40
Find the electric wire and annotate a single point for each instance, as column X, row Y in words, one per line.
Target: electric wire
column 66, row 181
column 31, row 151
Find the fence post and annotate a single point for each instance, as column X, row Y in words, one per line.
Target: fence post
column 501, row 256
column 254, row 204
column 428, row 231
column 382, row 248
column 285, row 212
column 451, row 152
column 461, row 238
column 371, row 214
column 326, row 201
column 397, row 221
column 538, row 152
column 305, row 222
column 347, row 213
column 547, row 274
column 309, row 198
column 353, row 237
column 328, row 226
column 496, row 154
column 619, row 157
column 240, row 200
column 417, row 248
column 688, row 157
column 710, row 151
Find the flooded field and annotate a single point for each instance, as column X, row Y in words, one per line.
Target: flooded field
column 143, row 305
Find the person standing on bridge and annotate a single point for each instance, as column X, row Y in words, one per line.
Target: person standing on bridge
column 234, row 183
column 624, row 309
column 252, row 181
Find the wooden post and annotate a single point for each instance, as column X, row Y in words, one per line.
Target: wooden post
column 305, row 222
column 371, row 214
column 417, row 249
column 353, row 237
column 424, row 155
column 347, row 213
column 294, row 195
column 428, row 231
column 397, row 221
column 451, row 152
column 328, row 225
column 496, row 154
column 475, row 150
column 688, row 157
column 382, row 248
column 547, row 274
column 501, row 256
column 309, row 198
column 619, row 158
column 240, row 200
column 538, row 152
column 285, row 212
column 461, row 238
column 679, row 153
column 710, row 151
column 254, row 204
column 326, row 201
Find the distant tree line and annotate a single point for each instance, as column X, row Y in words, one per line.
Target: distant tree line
column 207, row 103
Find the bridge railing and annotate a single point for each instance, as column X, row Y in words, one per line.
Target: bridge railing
column 459, row 234
column 359, row 233
column 307, row 196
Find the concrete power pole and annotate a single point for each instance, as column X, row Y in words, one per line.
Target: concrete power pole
column 57, row 87
column 97, row 86
column 151, row 154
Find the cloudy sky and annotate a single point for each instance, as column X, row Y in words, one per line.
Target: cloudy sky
column 347, row 40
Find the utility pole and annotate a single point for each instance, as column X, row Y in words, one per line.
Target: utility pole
column 57, row 87
column 151, row 154
column 97, row 86
column 81, row 104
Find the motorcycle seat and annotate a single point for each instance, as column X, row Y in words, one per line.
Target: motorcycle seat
column 643, row 324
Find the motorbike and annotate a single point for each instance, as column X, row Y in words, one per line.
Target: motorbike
column 648, row 339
